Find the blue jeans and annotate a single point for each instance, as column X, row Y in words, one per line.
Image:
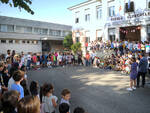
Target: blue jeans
column 28, row 64
column 87, row 63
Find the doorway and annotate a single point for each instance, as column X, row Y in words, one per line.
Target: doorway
column 132, row 33
column 46, row 46
column 112, row 38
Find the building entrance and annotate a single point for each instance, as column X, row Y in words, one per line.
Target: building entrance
column 132, row 33
column 46, row 46
column 52, row 45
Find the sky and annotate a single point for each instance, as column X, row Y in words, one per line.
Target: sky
column 54, row 11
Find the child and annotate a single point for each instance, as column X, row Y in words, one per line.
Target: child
column 3, row 87
column 66, row 94
column 9, row 101
column 63, row 108
column 38, row 62
column 18, row 77
column 24, row 82
column 25, row 87
column 133, row 75
column 29, row 104
column 48, row 99
column 49, row 63
column 5, row 76
column 79, row 110
column 23, row 68
column 34, row 88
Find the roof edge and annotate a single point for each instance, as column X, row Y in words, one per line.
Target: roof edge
column 83, row 3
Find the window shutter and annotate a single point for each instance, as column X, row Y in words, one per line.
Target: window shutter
column 132, row 7
column 126, row 7
column 149, row 4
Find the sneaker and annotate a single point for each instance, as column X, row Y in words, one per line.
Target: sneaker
column 129, row 89
column 134, row 88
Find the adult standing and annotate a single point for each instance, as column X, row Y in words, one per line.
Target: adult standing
column 28, row 60
column 121, row 48
column 8, row 54
column 12, row 56
column 142, row 69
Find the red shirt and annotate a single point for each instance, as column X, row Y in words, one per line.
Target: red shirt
column 87, row 56
column 34, row 59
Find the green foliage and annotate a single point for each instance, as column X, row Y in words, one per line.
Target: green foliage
column 68, row 41
column 76, row 47
column 21, row 4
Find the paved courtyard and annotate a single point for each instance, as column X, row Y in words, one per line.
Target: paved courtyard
column 97, row 91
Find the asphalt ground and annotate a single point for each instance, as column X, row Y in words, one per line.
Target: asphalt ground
column 96, row 90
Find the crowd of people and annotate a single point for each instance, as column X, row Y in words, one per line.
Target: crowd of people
column 128, row 57
column 131, row 58
column 17, row 96
column 38, row 60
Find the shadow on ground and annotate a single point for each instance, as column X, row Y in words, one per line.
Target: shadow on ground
column 96, row 90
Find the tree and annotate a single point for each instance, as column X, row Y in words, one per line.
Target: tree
column 21, row 4
column 76, row 47
column 68, row 41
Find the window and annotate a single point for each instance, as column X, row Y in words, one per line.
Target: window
column 17, row 41
column 87, row 40
column 44, row 31
column 10, row 28
column 20, row 29
column 3, row 41
column 3, row 28
column 10, row 41
column 58, row 33
column 64, row 33
column 149, row 4
column 28, row 42
column 23, row 41
column 35, row 42
column 77, row 20
column 54, row 32
column 27, row 29
column 77, row 39
column 50, row 32
column 87, row 17
column 111, row 11
column 129, row 8
column 37, row 30
column 99, row 13
column 99, row 38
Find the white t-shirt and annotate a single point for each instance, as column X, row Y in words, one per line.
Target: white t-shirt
column 48, row 105
column 29, row 57
column 59, row 58
column 147, row 48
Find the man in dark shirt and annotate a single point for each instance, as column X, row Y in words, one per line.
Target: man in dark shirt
column 142, row 70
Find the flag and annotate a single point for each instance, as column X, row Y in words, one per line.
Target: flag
column 129, row 4
column 120, row 7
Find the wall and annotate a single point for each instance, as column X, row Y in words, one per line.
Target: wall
column 21, row 47
column 102, row 24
